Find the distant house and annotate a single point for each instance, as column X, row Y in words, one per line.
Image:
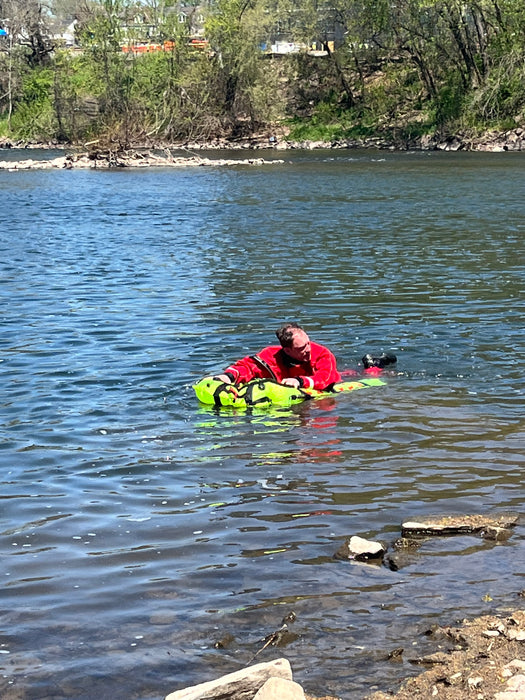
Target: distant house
column 280, row 48
column 145, row 24
column 193, row 16
column 141, row 26
column 65, row 34
column 145, row 29
column 329, row 35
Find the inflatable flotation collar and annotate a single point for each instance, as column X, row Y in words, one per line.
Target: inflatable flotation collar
column 265, row 392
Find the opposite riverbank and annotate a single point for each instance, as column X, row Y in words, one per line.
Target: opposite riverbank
column 489, row 141
column 163, row 156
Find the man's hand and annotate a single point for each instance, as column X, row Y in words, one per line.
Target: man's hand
column 291, row 381
column 223, row 378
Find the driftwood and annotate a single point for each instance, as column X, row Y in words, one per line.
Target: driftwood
column 275, row 638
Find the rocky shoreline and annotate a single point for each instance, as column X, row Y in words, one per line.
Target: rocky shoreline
column 162, row 156
column 489, row 141
column 482, row 659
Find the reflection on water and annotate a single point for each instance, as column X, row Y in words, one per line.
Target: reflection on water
column 138, row 528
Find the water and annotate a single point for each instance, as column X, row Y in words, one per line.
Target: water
column 138, row 529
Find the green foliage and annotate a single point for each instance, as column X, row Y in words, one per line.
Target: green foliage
column 328, row 123
column 72, row 85
column 4, row 127
column 240, row 81
column 112, row 70
column 448, row 105
column 400, row 68
column 501, row 99
column 34, row 117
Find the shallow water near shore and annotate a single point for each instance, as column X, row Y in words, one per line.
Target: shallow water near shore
column 138, row 529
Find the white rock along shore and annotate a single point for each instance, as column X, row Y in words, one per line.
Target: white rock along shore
column 132, row 159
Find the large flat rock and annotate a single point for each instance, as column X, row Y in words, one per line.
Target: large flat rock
column 458, row 524
column 240, row 685
column 280, row 689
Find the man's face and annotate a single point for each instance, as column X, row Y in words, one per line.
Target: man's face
column 300, row 347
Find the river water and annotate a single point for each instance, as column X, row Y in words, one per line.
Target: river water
column 139, row 529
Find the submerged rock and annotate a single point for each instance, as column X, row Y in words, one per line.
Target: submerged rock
column 498, row 534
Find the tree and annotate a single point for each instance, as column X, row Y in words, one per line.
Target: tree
column 28, row 26
column 112, row 70
column 27, row 46
column 242, row 84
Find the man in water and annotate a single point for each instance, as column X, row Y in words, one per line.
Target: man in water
column 296, row 362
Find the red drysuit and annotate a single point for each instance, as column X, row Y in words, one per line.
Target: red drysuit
column 273, row 363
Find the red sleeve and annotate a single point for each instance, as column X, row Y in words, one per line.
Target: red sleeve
column 244, row 370
column 324, row 369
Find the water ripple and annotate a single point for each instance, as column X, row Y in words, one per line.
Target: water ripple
column 135, row 523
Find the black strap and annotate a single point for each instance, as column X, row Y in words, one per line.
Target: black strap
column 217, row 393
column 262, row 363
column 248, row 394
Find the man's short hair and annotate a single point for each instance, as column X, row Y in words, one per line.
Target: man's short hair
column 286, row 333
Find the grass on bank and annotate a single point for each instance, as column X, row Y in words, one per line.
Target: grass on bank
column 330, row 124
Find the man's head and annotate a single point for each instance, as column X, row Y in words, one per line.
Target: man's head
column 294, row 342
